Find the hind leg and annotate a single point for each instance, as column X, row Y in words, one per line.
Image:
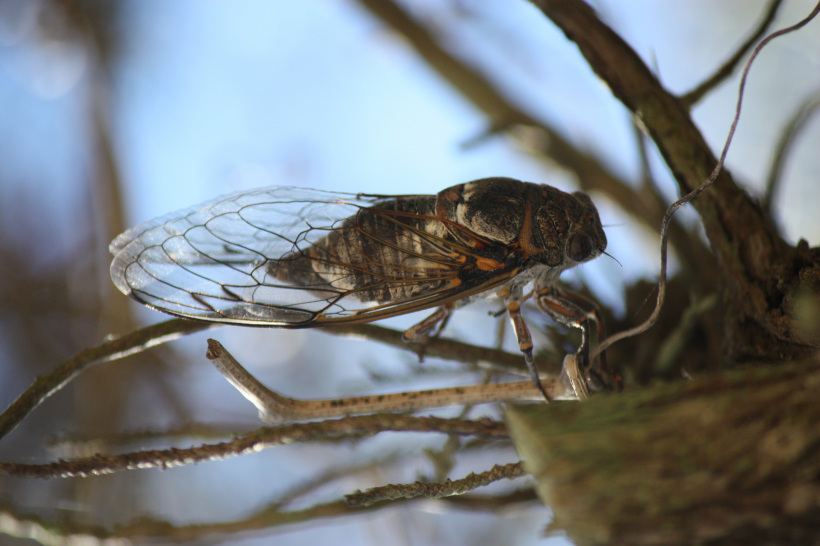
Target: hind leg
column 419, row 333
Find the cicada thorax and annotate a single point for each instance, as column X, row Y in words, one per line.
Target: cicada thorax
column 534, row 220
column 396, row 250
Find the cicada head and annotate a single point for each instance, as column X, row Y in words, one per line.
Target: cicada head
column 566, row 230
column 586, row 239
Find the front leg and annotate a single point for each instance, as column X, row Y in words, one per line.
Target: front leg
column 576, row 311
column 514, row 297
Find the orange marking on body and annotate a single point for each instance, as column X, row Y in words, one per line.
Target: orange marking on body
column 485, row 264
column 524, row 242
column 504, row 293
column 513, row 306
column 449, row 195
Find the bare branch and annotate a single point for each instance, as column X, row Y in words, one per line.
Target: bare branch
column 435, row 490
column 69, row 446
column 156, row 334
column 696, row 94
column 447, row 349
column 253, row 442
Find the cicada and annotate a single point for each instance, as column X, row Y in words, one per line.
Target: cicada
column 298, row 258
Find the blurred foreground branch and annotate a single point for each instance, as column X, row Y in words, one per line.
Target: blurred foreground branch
column 732, row 457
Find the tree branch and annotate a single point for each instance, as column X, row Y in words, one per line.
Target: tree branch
column 274, row 407
column 750, row 253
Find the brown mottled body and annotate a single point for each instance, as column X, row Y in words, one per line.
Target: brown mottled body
column 405, row 247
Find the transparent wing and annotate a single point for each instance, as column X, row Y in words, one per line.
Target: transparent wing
column 292, row 257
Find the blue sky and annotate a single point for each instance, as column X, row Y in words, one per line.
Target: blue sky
column 214, row 96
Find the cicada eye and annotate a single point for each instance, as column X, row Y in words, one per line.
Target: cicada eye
column 580, row 247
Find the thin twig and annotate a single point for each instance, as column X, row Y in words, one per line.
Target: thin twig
column 700, row 189
column 729, row 66
column 274, row 407
column 49, row 383
column 253, row 442
column 435, row 490
column 787, row 138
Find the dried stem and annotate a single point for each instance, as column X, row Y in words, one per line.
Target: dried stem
column 270, row 518
column 66, row 446
column 435, row 490
column 274, row 407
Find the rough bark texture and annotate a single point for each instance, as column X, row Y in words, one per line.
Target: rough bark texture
column 727, row 459
column 766, row 278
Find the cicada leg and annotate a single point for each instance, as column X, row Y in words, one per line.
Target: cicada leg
column 513, row 300
column 576, row 311
column 419, row 333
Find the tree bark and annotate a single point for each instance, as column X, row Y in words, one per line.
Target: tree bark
column 768, row 280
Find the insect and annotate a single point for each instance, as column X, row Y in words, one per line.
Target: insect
column 298, row 258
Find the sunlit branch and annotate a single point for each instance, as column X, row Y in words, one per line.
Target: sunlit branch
column 253, row 442
column 68, row 446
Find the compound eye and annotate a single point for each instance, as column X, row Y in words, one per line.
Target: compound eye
column 580, row 247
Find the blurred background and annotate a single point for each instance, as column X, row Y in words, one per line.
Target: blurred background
column 115, row 112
